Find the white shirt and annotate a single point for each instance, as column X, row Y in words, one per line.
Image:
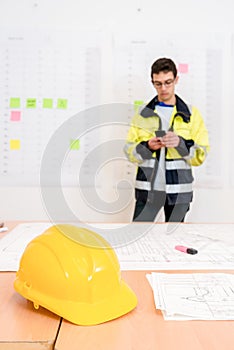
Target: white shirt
column 165, row 113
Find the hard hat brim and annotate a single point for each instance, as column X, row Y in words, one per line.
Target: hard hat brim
column 84, row 314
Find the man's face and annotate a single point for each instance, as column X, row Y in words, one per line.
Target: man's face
column 165, row 83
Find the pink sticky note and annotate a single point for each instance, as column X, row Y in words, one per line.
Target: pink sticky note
column 183, row 68
column 15, row 116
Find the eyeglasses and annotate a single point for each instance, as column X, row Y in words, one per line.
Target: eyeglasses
column 166, row 83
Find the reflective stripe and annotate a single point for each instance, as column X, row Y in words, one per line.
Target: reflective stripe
column 136, row 155
column 191, row 153
column 181, row 188
column 193, row 150
column 204, row 149
column 177, row 164
column 143, row 185
column 148, row 163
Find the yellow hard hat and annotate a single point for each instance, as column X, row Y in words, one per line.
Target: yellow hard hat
column 74, row 273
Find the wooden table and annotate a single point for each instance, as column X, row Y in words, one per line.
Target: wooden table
column 145, row 329
column 23, row 327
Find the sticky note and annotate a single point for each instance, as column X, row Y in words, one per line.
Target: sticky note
column 31, row 103
column 15, row 116
column 75, row 144
column 183, row 68
column 47, row 103
column 61, row 103
column 14, row 102
column 14, row 144
column 137, row 104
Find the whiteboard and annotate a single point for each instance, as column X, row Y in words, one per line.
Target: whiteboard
column 49, row 77
column 46, row 78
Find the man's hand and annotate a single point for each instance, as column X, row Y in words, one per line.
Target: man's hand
column 170, row 140
column 155, row 143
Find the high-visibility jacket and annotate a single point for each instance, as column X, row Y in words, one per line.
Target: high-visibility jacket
column 188, row 124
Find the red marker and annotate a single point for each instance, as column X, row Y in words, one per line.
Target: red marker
column 184, row 249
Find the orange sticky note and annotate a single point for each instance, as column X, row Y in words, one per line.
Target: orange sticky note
column 183, row 68
column 15, row 116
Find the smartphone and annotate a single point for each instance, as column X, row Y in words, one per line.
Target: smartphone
column 160, row 133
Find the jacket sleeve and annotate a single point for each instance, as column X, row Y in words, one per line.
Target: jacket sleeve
column 136, row 147
column 198, row 145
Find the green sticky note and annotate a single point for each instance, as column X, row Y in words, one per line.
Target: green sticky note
column 62, row 103
column 137, row 104
column 47, row 103
column 75, row 144
column 14, row 102
column 31, row 103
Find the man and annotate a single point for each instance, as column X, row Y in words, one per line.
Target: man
column 165, row 140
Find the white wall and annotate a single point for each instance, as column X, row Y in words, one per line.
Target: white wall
column 26, row 204
column 198, row 16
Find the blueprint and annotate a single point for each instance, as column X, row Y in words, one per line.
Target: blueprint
column 142, row 247
column 198, row 296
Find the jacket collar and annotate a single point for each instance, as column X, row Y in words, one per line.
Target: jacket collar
column 182, row 109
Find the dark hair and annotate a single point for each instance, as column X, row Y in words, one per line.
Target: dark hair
column 163, row 65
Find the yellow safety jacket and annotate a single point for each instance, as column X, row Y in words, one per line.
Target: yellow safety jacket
column 188, row 124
